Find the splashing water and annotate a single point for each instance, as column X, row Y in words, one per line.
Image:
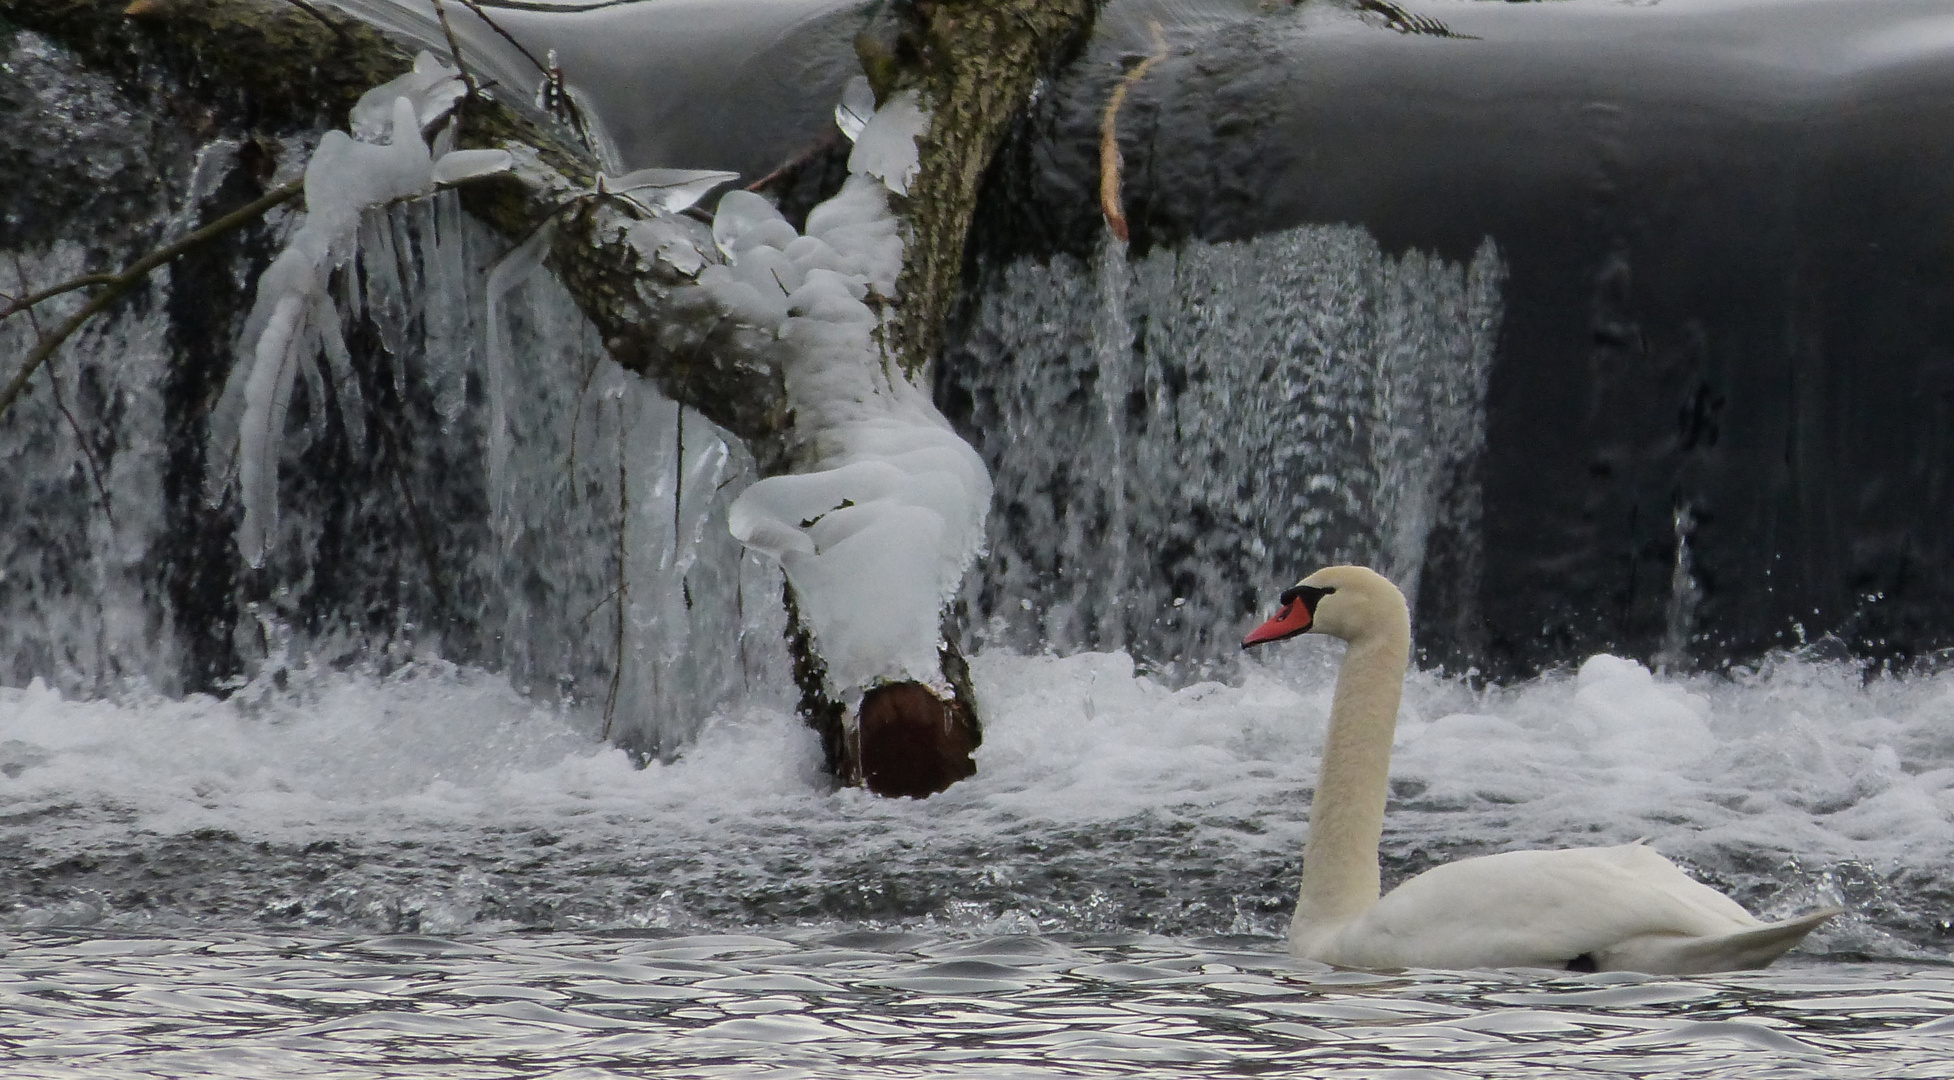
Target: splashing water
column 1241, row 412
column 436, row 799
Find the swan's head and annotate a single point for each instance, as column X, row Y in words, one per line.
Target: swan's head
column 1347, row 602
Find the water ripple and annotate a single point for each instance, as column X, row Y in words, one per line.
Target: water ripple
column 867, row 1003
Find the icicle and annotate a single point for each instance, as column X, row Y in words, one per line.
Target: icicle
column 385, row 160
column 345, row 384
column 514, row 269
column 267, row 394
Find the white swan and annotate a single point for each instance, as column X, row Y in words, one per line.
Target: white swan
column 1589, row 909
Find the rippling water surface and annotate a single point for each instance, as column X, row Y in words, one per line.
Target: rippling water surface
column 894, row 1004
column 337, row 873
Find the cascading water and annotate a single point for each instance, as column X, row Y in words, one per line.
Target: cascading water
column 492, row 492
column 1175, row 437
column 231, row 799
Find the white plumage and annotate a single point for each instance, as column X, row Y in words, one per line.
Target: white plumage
column 1588, row 909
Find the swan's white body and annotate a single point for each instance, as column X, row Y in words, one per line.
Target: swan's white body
column 1590, row 909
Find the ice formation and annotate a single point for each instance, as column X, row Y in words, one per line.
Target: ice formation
column 385, row 159
column 885, row 148
column 876, row 533
column 669, row 191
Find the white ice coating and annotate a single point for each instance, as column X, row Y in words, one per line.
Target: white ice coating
column 666, row 191
column 293, row 318
column 876, row 533
column 885, row 148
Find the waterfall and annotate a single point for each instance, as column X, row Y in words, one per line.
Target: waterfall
column 1112, row 353
column 1684, row 596
column 518, row 502
column 1175, row 438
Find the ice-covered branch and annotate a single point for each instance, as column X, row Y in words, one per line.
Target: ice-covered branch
column 293, row 320
column 886, row 509
column 115, row 285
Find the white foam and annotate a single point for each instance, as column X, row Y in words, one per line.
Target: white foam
column 1801, row 762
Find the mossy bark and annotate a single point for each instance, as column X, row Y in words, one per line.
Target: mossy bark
column 277, row 68
column 976, row 63
column 271, row 67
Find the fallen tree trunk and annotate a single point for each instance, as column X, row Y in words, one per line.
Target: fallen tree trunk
column 272, row 67
column 277, row 68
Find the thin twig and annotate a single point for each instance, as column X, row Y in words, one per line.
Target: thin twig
column 556, row 9
column 81, row 442
column 16, row 305
column 599, row 605
column 820, row 146
column 1407, row 22
column 423, row 525
column 506, row 36
column 678, row 478
column 338, row 31
column 576, row 414
column 137, row 271
column 54, row 383
column 623, row 581
column 454, row 50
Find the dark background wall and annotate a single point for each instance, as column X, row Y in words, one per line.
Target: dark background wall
column 1729, row 226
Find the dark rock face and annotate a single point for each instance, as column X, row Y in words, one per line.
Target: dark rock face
column 1718, row 419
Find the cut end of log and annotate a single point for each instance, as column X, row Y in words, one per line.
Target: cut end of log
column 912, row 743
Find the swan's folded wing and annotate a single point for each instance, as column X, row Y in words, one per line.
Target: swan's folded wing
column 1535, row 909
column 1739, row 950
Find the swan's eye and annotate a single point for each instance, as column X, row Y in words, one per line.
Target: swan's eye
column 1310, row 594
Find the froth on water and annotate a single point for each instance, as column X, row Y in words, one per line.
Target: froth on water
column 437, row 799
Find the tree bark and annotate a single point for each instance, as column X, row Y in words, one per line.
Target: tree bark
column 977, row 62
column 276, row 67
column 272, row 67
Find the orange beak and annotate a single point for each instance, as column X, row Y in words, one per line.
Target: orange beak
column 1293, row 619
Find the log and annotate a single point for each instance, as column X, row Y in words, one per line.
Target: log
column 275, row 67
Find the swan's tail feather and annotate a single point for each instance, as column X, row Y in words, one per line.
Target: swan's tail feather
column 1739, row 950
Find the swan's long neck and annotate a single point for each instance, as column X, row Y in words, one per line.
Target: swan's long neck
column 1346, row 817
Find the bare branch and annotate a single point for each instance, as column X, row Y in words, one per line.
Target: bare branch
column 454, row 50
column 54, row 384
column 16, row 306
column 338, row 30
column 129, row 278
column 506, row 36
column 815, row 149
